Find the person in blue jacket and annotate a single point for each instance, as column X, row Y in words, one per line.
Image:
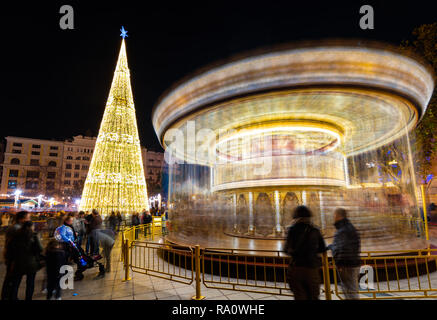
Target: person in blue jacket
column 67, row 235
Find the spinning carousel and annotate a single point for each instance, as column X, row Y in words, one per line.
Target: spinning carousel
column 325, row 125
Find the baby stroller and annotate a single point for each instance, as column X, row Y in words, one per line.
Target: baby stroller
column 82, row 260
column 85, row 262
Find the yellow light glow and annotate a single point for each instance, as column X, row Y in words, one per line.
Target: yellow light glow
column 115, row 180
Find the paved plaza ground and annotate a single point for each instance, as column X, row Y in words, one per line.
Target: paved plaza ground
column 145, row 287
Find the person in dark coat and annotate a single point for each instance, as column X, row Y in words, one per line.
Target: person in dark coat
column 136, row 222
column 20, row 218
column 112, row 221
column 55, row 259
column 51, row 225
column 304, row 244
column 87, row 221
column 24, row 253
column 95, row 225
column 147, row 220
column 119, row 221
column 346, row 249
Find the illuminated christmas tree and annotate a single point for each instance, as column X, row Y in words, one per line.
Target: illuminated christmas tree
column 115, row 180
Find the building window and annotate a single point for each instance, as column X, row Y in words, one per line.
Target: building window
column 32, row 174
column 52, row 164
column 16, row 151
column 50, row 185
column 76, row 174
column 84, row 167
column 53, row 148
column 36, row 146
column 51, row 175
column 67, row 182
column 15, row 161
column 17, row 144
column 34, row 162
column 53, row 154
column 31, row 184
column 86, row 158
column 77, row 158
column 13, row 173
column 69, row 158
column 68, row 166
column 68, row 174
column 12, row 184
column 77, row 166
column 35, row 153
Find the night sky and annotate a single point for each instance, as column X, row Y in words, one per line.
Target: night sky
column 55, row 82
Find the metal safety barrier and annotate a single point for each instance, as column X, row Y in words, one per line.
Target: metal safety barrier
column 258, row 271
column 142, row 232
column 399, row 274
column 162, row 260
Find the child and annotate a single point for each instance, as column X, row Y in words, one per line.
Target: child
column 55, row 259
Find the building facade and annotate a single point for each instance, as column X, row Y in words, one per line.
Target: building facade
column 58, row 168
column 76, row 161
column 33, row 166
column 2, row 156
column 153, row 163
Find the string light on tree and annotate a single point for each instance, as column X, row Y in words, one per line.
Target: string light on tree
column 115, row 180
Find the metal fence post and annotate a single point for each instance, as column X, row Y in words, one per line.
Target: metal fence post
column 425, row 218
column 126, row 261
column 122, row 246
column 198, row 295
column 326, row 280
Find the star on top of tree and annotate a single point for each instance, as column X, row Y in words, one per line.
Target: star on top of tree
column 123, row 32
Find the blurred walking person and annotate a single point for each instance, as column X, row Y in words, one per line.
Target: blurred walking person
column 87, row 221
column 20, row 218
column 119, row 221
column 79, row 227
column 112, row 221
column 147, row 220
column 51, row 225
column 95, row 224
column 24, row 253
column 346, row 249
column 107, row 240
column 136, row 223
column 304, row 244
column 55, row 259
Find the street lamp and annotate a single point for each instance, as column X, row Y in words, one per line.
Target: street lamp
column 51, row 200
column 159, row 201
column 40, row 200
column 17, row 197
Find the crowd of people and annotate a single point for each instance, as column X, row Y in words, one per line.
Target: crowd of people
column 74, row 238
column 77, row 235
